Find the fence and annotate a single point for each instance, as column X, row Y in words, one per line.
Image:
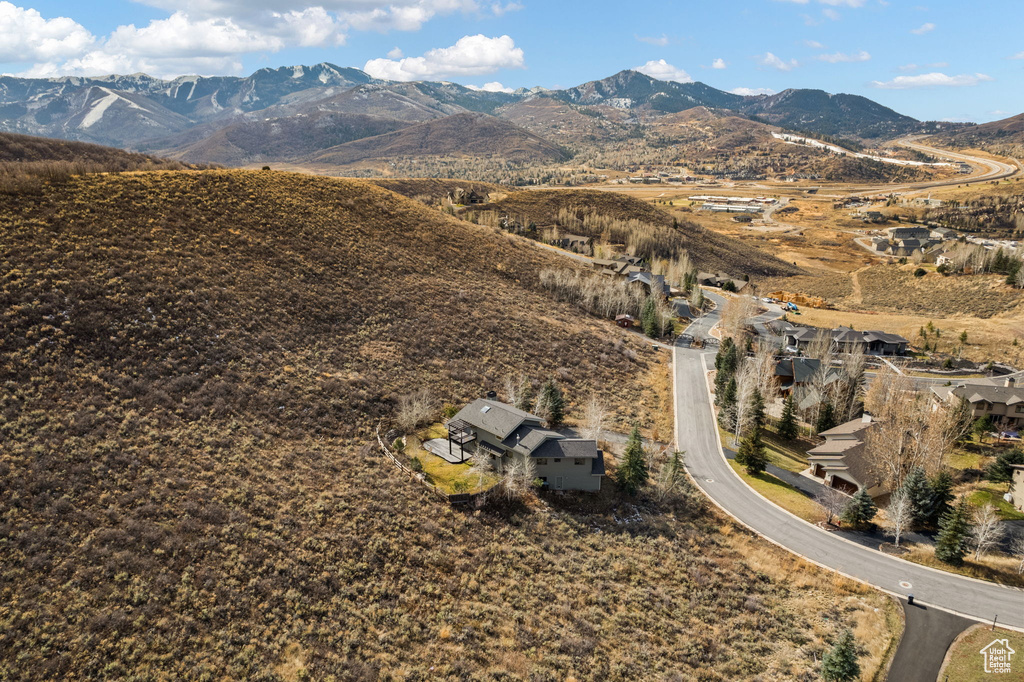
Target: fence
column 476, row 499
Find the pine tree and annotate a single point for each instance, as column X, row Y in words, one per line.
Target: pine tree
column 787, row 425
column 860, row 510
column 551, row 404
column 751, row 454
column 826, row 418
column 757, row 409
column 1001, row 470
column 649, row 318
column 632, row 473
column 727, row 402
column 942, row 493
column 954, row 533
column 919, row 494
column 840, row 663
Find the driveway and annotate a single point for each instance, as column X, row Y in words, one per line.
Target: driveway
column 696, row 432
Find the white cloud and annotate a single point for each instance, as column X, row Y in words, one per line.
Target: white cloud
column 26, row 36
column 661, row 41
column 915, row 67
column 923, row 28
column 494, row 86
column 395, row 53
column 770, row 60
column 664, row 71
column 748, row 92
column 928, row 80
column 470, row 56
column 1019, row 55
column 840, row 57
column 831, row 14
column 501, row 10
column 719, row 64
column 814, row 44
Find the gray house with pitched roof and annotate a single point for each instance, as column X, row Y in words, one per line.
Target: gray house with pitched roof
column 502, row 432
column 842, row 461
column 1002, row 400
column 846, row 340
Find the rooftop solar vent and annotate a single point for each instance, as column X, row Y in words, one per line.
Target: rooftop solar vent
column 485, row 409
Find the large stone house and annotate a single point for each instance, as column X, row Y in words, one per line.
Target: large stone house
column 503, row 432
column 842, row 461
column 1000, row 399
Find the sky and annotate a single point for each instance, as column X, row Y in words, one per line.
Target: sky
column 940, row 60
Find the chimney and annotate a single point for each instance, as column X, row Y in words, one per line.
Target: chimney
column 1010, row 382
column 491, row 395
column 866, row 419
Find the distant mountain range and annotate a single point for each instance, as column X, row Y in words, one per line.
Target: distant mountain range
column 339, row 116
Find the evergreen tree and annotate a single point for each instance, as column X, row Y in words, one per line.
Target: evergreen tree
column 632, row 473
column 1001, row 470
column 751, row 454
column 840, row 663
column 982, row 426
column 649, row 318
column 860, row 510
column 757, row 409
column 919, row 493
column 942, row 493
column 727, row 401
column 787, row 425
column 551, row 404
column 826, row 418
column 954, row 534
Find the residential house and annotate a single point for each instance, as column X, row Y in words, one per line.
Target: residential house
column 622, row 266
column 1002, row 400
column 794, row 372
column 573, row 242
column 898, row 234
column 709, row 279
column 625, row 321
column 842, row 461
column 1017, row 487
column 846, row 340
column 943, row 233
column 502, row 432
column 653, row 285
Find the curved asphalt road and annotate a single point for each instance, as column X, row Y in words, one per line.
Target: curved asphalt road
column 696, row 433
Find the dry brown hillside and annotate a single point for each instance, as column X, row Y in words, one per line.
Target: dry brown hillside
column 192, row 365
column 460, row 135
column 709, row 251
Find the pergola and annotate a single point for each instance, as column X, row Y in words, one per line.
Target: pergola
column 460, row 431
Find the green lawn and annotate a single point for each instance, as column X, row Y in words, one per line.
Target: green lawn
column 781, row 493
column 965, row 663
column 451, row 478
column 786, row 454
column 990, row 493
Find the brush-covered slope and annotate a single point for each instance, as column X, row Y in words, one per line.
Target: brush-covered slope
column 1005, row 136
column 436, row 190
column 192, row 366
column 460, row 135
column 589, row 212
column 283, row 139
column 31, row 149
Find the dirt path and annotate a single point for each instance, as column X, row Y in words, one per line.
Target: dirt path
column 857, row 297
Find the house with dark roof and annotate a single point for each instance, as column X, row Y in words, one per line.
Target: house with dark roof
column 573, row 242
column 846, row 340
column 793, row 372
column 502, row 432
column 710, row 279
column 1002, row 400
column 652, row 284
column 898, row 234
column 842, row 461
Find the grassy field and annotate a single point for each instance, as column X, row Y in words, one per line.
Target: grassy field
column 196, row 363
column 781, row 493
column 965, row 663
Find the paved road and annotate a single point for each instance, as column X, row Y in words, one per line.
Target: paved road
column 696, row 433
column 926, row 638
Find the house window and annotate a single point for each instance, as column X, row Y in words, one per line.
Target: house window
column 541, row 461
column 579, row 461
column 557, row 460
column 1020, row 409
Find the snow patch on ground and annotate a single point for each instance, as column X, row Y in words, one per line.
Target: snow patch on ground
column 100, row 106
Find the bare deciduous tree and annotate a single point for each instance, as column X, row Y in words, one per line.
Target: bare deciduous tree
column 414, row 409
column 594, row 416
column 517, row 477
column 1017, row 552
column 898, row 516
column 737, row 311
column 671, row 475
column 832, row 503
column 987, row 530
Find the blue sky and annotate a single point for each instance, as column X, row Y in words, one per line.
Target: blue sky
column 935, row 60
